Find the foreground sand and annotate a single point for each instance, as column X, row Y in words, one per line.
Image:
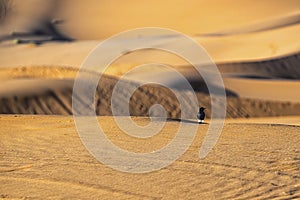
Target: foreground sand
column 41, row 157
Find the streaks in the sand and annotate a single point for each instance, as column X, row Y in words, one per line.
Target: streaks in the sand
column 57, row 101
column 75, row 189
column 251, row 161
column 12, row 169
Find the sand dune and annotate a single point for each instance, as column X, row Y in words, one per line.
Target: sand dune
column 249, row 161
column 290, row 19
column 230, row 49
column 277, row 68
column 242, row 59
column 255, row 45
column 263, row 89
column 42, row 92
column 242, row 36
column 30, row 87
column 194, row 17
column 102, row 19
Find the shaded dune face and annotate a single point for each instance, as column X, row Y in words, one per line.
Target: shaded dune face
column 56, row 98
column 281, row 68
column 31, row 21
column 3, row 9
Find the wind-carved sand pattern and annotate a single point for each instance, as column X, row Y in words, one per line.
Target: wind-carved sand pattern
column 48, row 90
column 250, row 161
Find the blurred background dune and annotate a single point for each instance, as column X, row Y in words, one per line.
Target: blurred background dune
column 255, row 45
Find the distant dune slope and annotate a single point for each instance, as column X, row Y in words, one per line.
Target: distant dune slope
column 240, row 31
column 287, row 20
column 192, row 17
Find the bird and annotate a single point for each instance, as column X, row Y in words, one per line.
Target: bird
column 201, row 115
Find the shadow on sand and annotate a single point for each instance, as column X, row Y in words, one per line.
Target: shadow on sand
column 185, row 121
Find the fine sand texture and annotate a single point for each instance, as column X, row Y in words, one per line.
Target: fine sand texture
column 43, row 157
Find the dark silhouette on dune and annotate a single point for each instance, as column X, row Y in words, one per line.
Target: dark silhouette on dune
column 45, row 30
